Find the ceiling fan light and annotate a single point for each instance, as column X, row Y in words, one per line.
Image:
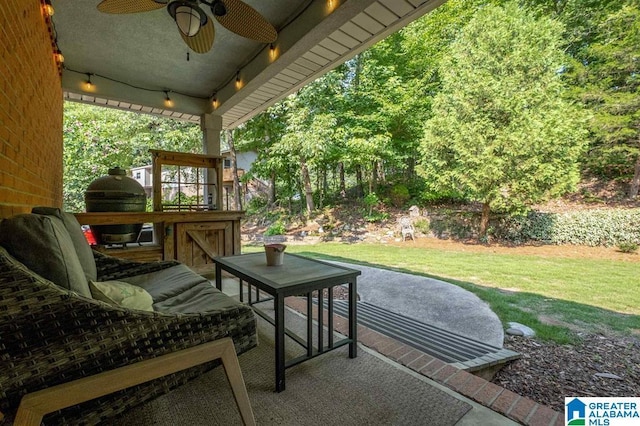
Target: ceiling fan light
column 188, row 20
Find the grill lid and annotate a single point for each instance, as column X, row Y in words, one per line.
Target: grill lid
column 116, row 185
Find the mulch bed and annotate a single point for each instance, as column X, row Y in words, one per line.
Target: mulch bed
column 547, row 372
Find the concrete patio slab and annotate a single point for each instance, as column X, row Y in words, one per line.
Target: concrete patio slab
column 430, row 301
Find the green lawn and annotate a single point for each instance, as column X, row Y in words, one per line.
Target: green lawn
column 555, row 296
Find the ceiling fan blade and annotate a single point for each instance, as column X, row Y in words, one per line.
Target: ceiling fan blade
column 128, row 6
column 201, row 42
column 244, row 20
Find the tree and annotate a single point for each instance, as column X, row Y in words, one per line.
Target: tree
column 502, row 133
column 237, row 196
column 611, row 79
column 97, row 139
column 261, row 133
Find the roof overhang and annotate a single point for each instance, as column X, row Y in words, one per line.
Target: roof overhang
column 135, row 60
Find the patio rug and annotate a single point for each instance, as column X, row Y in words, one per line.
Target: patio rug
column 331, row 389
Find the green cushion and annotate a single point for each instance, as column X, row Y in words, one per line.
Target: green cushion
column 123, row 294
column 43, row 245
column 180, row 290
column 83, row 249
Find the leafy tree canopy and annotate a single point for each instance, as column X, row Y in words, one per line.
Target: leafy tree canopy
column 501, row 133
column 97, row 139
column 609, row 84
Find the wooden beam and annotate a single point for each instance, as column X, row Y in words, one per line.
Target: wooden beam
column 118, row 218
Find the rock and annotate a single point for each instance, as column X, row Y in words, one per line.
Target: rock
column 514, row 332
column 608, row 376
column 526, row 331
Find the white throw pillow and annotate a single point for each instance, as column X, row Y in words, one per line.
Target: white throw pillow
column 123, row 294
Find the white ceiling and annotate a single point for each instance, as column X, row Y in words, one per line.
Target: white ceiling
column 134, row 58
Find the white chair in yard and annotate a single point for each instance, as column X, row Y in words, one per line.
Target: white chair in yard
column 406, row 228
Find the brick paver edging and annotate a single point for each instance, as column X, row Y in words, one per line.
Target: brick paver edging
column 499, row 399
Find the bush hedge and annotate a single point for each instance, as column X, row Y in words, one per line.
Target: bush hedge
column 599, row 227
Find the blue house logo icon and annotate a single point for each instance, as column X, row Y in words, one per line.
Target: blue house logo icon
column 576, row 414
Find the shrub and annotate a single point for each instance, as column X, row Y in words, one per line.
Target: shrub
column 422, row 225
column 371, row 200
column 256, row 205
column 276, row 228
column 460, row 225
column 628, row 247
column 376, row 217
column 399, row 195
column 600, row 227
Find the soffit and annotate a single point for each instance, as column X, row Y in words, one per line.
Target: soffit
column 134, row 58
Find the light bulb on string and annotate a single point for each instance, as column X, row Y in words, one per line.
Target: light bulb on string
column 273, row 52
column 58, row 56
column 167, row 100
column 48, row 8
column 88, row 85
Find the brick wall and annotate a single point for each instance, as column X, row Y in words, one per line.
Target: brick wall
column 30, row 111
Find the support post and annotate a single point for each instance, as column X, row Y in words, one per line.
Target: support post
column 211, row 126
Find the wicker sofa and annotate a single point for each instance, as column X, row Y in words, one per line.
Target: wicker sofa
column 52, row 332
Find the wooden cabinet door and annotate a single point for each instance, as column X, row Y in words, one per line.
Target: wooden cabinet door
column 198, row 243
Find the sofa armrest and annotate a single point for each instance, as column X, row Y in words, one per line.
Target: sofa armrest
column 34, row 406
column 113, row 268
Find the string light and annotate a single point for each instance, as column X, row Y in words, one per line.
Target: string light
column 133, row 86
column 48, row 8
column 88, row 85
column 238, row 80
column 273, row 53
column 58, row 56
column 332, row 5
column 215, row 102
column 167, row 100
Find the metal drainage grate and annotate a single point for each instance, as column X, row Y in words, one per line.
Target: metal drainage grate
column 462, row 351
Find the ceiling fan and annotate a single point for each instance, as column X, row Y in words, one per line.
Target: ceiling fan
column 195, row 27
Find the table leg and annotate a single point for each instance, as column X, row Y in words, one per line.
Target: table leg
column 279, row 317
column 330, row 316
column 218, row 276
column 309, row 324
column 353, row 319
column 320, row 321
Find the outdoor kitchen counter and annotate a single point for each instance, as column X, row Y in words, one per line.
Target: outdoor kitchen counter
column 193, row 238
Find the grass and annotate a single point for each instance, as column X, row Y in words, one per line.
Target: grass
column 555, row 296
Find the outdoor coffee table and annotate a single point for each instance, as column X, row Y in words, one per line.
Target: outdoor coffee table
column 297, row 276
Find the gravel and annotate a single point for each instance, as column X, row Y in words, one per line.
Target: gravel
column 597, row 366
